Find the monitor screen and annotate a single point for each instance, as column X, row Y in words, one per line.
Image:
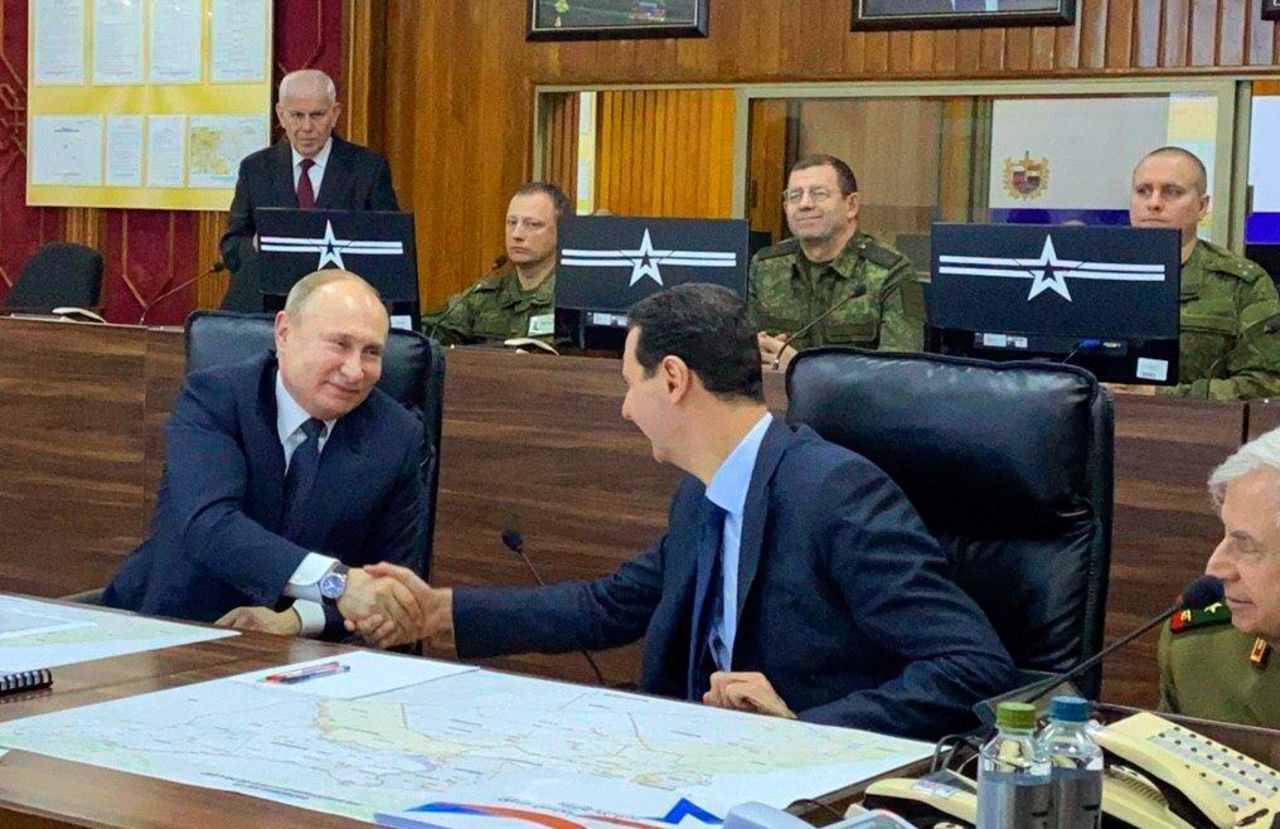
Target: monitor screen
column 1105, row 298
column 608, row 263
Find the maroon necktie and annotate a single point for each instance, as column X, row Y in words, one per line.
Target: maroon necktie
column 306, row 195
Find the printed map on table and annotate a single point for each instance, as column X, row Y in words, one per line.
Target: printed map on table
column 35, row 634
column 468, row 733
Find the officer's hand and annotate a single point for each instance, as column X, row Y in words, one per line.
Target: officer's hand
column 262, row 619
column 746, row 691
column 775, row 350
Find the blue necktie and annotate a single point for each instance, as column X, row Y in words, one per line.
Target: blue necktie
column 301, row 476
column 708, row 604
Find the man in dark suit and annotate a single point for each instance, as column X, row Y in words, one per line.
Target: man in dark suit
column 283, row 472
column 795, row 579
column 309, row 168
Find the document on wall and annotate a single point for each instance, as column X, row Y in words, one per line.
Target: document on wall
column 124, row 151
column 166, row 150
column 58, row 42
column 219, row 143
column 238, row 41
column 67, row 150
column 175, row 42
column 117, row 42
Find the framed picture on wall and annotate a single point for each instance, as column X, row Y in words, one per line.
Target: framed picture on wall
column 617, row 19
column 951, row 14
column 1271, row 9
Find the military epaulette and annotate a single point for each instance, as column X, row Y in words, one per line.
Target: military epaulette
column 492, row 281
column 1221, row 260
column 1198, row 617
column 784, row 248
column 878, row 254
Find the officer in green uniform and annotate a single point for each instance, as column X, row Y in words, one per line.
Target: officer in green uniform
column 1229, row 348
column 825, row 262
column 1219, row 662
column 515, row 300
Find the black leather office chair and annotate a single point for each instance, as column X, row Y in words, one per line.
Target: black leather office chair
column 1010, row 466
column 58, row 274
column 412, row 373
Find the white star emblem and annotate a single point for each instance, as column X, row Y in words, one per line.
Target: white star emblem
column 1049, row 272
column 644, row 262
column 329, row 251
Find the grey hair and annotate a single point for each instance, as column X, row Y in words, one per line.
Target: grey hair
column 296, row 81
column 305, row 288
column 1260, row 453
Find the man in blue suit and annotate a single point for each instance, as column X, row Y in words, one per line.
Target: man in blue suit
column 282, row 473
column 795, row 579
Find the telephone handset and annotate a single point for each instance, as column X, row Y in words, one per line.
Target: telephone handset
column 1159, row 776
column 1204, row 783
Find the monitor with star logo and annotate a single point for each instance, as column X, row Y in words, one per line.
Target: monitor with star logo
column 377, row 245
column 608, row 263
column 1103, row 298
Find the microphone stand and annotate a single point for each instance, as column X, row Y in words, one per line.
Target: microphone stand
column 854, row 293
column 217, row 267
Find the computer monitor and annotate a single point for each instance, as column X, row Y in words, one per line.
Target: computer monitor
column 1103, row 298
column 608, row 263
column 377, row 245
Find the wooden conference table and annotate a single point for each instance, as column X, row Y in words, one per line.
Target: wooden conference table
column 531, row 443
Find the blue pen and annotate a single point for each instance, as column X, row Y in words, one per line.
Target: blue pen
column 310, row 672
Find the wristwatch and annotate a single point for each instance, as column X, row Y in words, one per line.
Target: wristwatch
column 334, row 583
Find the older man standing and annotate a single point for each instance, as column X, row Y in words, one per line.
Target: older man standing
column 1219, row 662
column 309, row 168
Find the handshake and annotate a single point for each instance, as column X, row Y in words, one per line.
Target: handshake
column 386, row 604
column 390, row 605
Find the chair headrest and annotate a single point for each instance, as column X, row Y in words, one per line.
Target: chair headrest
column 975, row 445
column 218, row 338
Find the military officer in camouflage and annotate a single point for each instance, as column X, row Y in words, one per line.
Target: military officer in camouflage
column 1229, row 346
column 515, row 300
column 1219, row 662
column 826, row 259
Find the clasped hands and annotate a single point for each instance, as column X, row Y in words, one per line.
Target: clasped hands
column 386, row 604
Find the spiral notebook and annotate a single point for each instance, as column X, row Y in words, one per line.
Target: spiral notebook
column 25, row 681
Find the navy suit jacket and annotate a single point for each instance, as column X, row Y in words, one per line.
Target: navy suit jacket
column 215, row 541
column 355, row 178
column 844, row 600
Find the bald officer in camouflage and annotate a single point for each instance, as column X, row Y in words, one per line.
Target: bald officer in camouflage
column 516, row 299
column 1219, row 663
column 1229, row 348
column 827, row 258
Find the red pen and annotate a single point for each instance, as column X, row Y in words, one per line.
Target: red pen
column 309, row 672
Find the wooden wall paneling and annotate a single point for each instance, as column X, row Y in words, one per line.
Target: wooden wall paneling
column 1204, row 32
column 1017, row 50
column 1148, row 20
column 766, row 166
column 1120, row 32
column 1044, row 41
column 1176, row 32
column 213, row 287
column 1232, row 34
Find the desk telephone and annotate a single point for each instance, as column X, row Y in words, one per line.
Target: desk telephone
column 1158, row 776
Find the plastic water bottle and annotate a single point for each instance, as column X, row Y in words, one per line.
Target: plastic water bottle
column 1075, row 764
column 1014, row 788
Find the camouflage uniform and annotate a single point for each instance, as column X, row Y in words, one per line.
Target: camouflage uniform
column 786, row 291
column 1225, row 352
column 498, row 309
column 1208, row 669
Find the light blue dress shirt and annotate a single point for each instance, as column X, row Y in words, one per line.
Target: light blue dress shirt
column 728, row 491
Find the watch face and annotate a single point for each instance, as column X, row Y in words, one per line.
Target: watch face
column 332, row 585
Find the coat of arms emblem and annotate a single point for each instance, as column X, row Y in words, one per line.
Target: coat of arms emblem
column 1026, row 177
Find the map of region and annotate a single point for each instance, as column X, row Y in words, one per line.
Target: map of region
column 219, row 143
column 36, row 634
column 462, row 733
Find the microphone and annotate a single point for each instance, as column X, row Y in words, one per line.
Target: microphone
column 514, row 542
column 1204, row 591
column 856, row 291
column 435, row 326
column 217, row 267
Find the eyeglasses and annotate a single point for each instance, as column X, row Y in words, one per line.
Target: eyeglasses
column 816, row 194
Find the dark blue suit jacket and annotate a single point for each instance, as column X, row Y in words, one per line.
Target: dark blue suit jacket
column 844, row 600
column 215, row 540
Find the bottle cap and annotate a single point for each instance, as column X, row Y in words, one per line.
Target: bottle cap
column 1069, row 709
column 1016, row 715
